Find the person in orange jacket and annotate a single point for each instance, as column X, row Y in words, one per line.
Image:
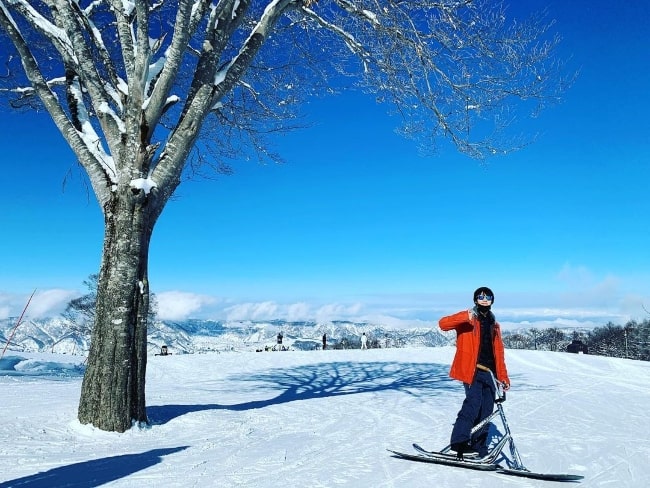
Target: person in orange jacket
column 479, row 352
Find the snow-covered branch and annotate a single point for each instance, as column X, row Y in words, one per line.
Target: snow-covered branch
column 188, row 17
column 98, row 168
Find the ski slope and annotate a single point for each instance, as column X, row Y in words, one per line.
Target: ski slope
column 321, row 419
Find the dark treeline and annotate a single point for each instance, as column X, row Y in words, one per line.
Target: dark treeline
column 630, row 341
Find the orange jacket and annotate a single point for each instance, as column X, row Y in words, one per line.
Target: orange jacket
column 468, row 340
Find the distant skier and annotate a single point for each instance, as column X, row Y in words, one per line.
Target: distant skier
column 280, row 341
column 364, row 341
column 479, row 351
column 324, row 341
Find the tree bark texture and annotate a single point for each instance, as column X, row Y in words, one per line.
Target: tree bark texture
column 113, row 390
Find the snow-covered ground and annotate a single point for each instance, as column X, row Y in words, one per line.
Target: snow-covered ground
column 320, row 419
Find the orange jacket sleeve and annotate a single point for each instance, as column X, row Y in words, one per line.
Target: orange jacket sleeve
column 452, row 322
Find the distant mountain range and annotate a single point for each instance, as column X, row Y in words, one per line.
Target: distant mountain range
column 198, row 336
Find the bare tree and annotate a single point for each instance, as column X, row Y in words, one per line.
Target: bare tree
column 80, row 311
column 134, row 87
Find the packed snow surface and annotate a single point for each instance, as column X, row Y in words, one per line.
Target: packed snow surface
column 320, row 419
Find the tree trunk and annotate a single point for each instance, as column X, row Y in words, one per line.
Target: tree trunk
column 113, row 389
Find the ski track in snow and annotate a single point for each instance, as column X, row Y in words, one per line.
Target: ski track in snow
column 323, row 419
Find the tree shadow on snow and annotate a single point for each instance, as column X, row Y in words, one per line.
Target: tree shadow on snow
column 93, row 473
column 326, row 380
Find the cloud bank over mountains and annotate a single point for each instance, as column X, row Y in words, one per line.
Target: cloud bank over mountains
column 574, row 309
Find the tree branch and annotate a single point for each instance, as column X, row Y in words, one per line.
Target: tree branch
column 99, row 167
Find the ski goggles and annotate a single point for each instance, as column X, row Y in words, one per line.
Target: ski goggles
column 483, row 296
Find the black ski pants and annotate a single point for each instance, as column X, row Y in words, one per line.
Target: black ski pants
column 478, row 405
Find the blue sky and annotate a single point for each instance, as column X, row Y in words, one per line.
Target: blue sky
column 357, row 224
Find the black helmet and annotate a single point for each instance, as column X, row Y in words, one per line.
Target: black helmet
column 483, row 290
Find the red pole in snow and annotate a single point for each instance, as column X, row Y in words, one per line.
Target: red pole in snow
column 20, row 319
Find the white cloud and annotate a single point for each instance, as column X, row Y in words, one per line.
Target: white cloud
column 636, row 306
column 576, row 275
column 50, row 302
column 253, row 311
column 179, row 305
column 393, row 322
column 595, row 303
column 45, row 303
column 269, row 310
column 531, row 313
column 338, row 311
column 299, row 311
column 585, row 288
column 4, row 312
column 559, row 309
